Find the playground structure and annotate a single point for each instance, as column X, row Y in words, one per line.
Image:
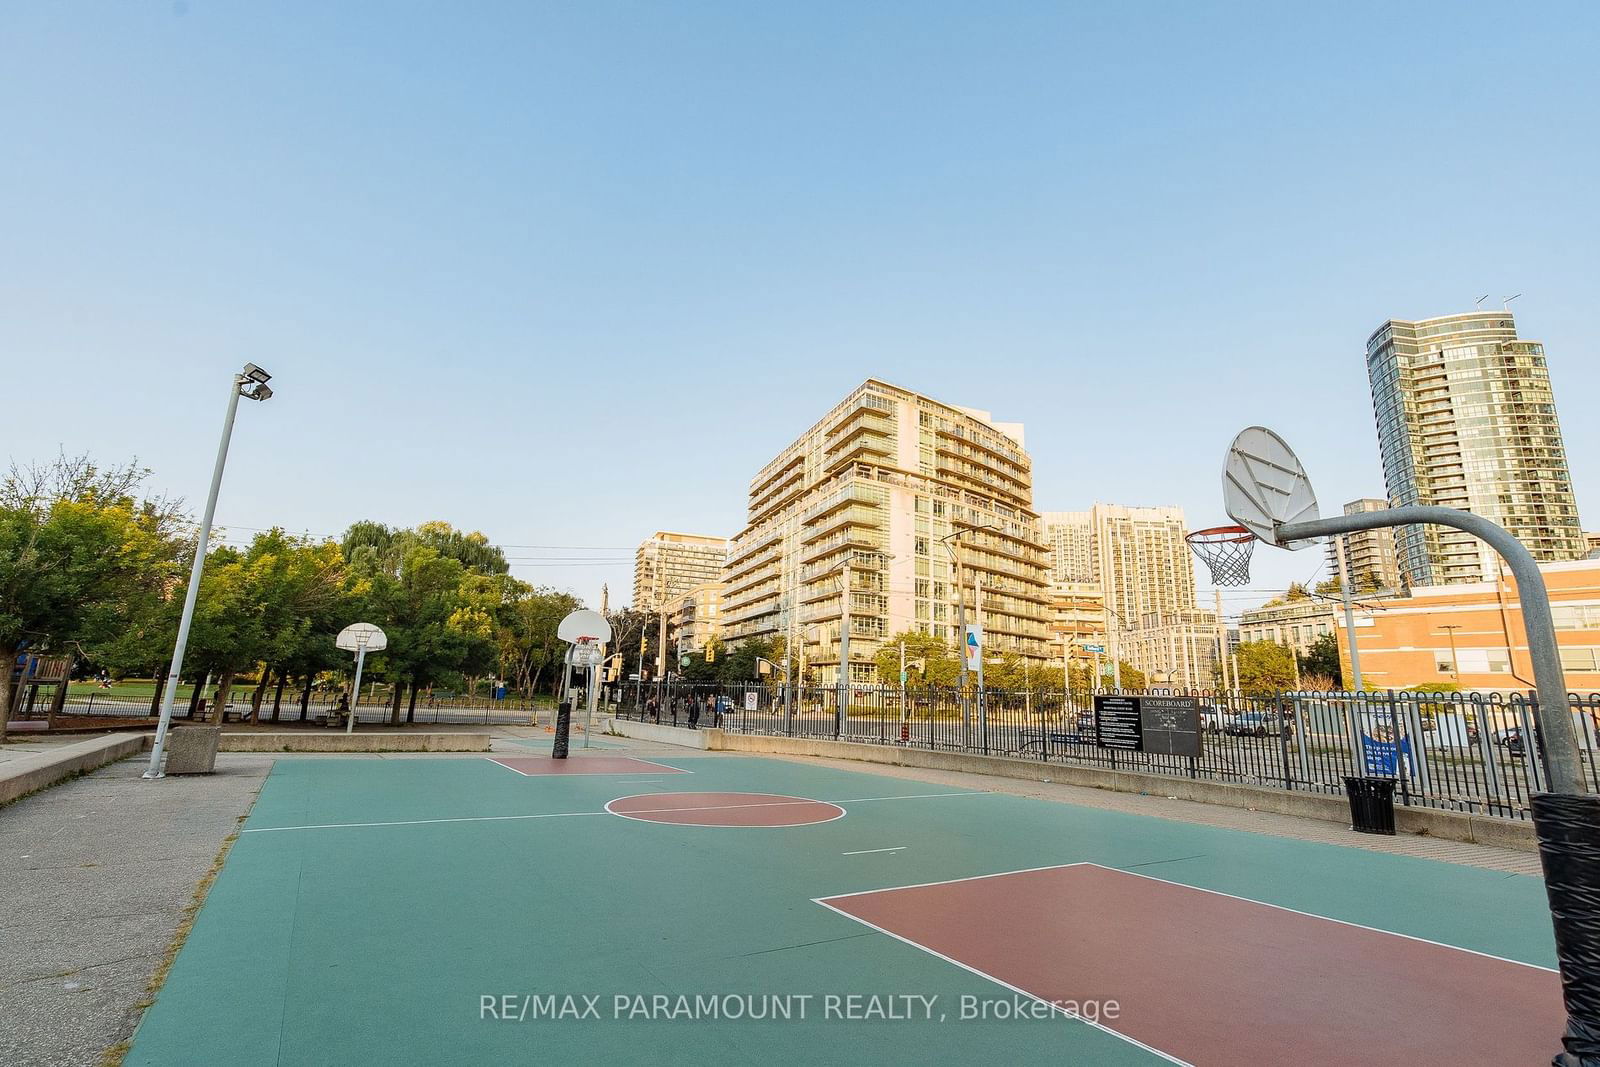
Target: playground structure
column 29, row 674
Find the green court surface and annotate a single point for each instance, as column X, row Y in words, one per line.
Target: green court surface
column 370, row 907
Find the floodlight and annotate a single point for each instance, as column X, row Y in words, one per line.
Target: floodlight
column 256, row 374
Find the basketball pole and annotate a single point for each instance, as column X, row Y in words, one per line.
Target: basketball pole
column 1566, row 818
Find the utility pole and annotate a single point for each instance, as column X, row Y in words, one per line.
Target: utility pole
column 844, row 649
column 1066, row 670
column 1455, row 661
column 1222, row 641
column 983, row 645
column 789, row 678
column 1350, row 616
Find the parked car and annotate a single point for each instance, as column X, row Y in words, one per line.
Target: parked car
column 1255, row 724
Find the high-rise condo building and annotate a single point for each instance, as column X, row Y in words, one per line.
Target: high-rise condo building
column 1145, row 573
column 1370, row 557
column 890, row 485
column 1137, row 555
column 1467, row 419
column 668, row 565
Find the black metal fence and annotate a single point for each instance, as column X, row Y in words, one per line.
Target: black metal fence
column 1467, row 752
column 451, row 708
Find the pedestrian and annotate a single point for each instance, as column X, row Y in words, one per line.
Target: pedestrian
column 714, row 706
column 694, row 713
column 675, row 704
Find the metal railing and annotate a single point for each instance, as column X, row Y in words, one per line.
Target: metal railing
column 451, row 708
column 1466, row 752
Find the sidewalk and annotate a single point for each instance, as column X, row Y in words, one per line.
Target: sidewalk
column 96, row 875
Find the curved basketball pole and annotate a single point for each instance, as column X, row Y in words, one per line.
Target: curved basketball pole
column 1566, row 820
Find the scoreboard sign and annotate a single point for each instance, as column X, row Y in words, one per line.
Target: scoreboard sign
column 1168, row 726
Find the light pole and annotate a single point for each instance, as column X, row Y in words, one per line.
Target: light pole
column 251, row 382
column 961, row 619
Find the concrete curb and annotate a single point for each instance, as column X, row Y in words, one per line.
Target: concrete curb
column 1432, row 822
column 29, row 774
column 305, row 741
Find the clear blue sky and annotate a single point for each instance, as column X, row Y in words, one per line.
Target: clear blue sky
column 475, row 241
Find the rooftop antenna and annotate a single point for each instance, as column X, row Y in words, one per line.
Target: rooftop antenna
column 1480, row 300
column 1506, row 301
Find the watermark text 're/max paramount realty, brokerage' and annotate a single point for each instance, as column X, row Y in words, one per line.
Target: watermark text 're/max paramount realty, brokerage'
column 798, row 1007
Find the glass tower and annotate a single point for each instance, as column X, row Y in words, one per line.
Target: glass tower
column 1467, row 419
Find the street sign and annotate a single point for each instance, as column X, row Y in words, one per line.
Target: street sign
column 750, row 700
column 974, row 645
column 1096, row 649
column 683, row 660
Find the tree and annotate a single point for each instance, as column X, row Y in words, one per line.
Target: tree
column 1322, row 658
column 1265, row 668
column 939, row 665
column 82, row 558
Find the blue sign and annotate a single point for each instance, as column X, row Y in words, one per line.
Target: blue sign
column 1381, row 758
column 1094, row 648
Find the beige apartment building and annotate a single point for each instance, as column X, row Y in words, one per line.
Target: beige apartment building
column 1371, row 557
column 1077, row 617
column 695, row 619
column 1467, row 419
column 890, row 485
column 667, row 565
column 1138, row 559
column 1291, row 623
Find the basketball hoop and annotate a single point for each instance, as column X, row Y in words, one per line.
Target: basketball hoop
column 1225, row 550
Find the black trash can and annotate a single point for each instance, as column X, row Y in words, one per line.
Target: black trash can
column 1371, row 805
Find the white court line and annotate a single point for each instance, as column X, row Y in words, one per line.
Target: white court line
column 913, row 796
column 585, row 774
column 568, row 814
column 1324, row 918
column 870, row 851
column 989, row 977
column 417, row 822
column 785, row 802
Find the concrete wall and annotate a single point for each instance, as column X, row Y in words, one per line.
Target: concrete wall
column 1449, row 825
column 305, row 741
column 27, row 774
column 666, row 735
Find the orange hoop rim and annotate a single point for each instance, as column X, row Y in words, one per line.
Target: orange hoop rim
column 1219, row 535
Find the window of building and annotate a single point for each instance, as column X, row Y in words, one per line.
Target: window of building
column 1581, row 659
column 1576, row 616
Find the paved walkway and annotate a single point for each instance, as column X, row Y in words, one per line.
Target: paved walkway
column 96, row 875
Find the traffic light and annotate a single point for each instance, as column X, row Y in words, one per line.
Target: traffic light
column 644, row 644
column 612, row 671
column 711, row 653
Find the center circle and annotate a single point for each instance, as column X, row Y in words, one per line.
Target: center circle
column 724, row 809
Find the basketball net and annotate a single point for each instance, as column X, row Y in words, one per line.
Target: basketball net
column 1225, row 550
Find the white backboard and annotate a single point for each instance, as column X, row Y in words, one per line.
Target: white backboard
column 584, row 623
column 361, row 636
column 1264, row 486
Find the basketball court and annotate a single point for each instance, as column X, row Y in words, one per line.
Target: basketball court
column 705, row 908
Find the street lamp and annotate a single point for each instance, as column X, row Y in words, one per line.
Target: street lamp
column 250, row 383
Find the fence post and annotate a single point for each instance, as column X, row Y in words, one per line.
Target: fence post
column 1283, row 741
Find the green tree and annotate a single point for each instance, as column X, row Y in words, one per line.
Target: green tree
column 1265, row 668
column 938, row 664
column 82, row 557
column 1322, row 658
